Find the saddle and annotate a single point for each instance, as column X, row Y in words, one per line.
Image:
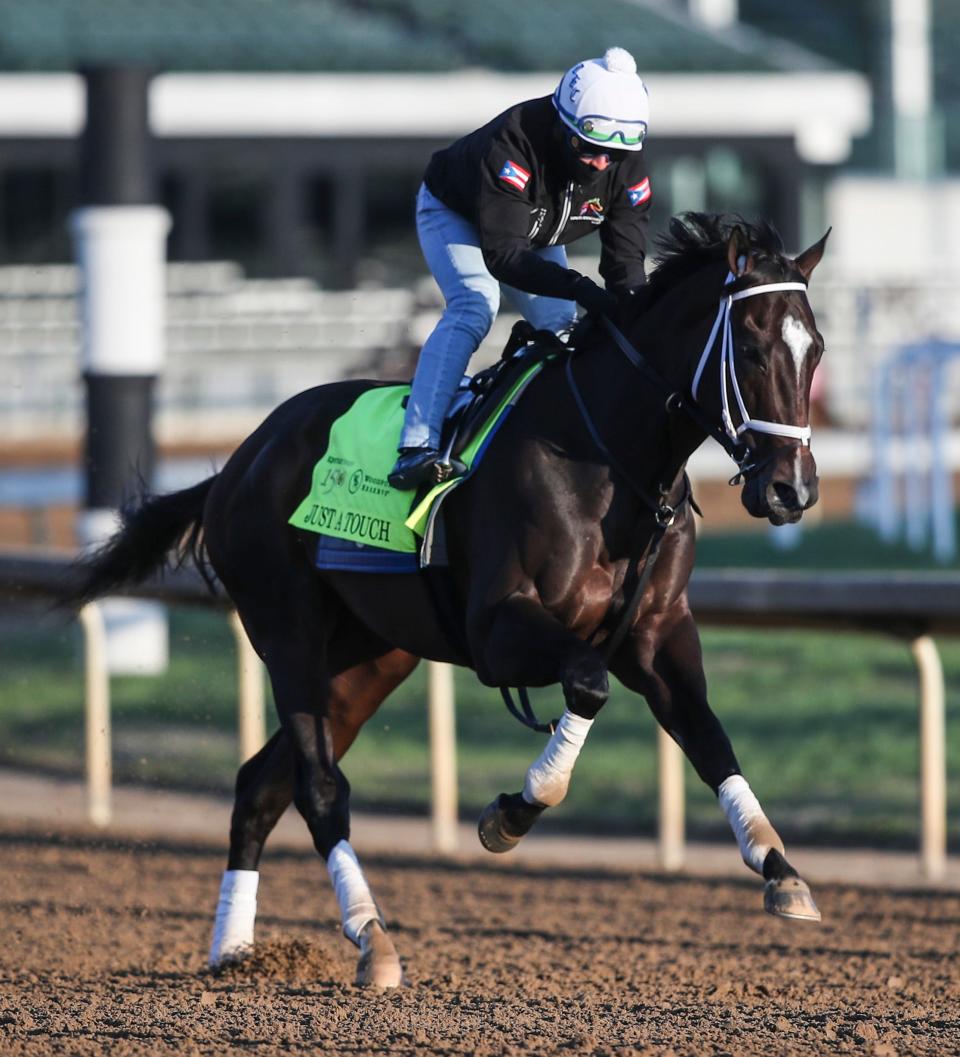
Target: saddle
column 525, row 347
column 365, row 525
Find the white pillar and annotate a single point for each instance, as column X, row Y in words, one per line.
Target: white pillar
column 718, row 14
column 251, row 711
column 912, row 87
column 933, row 766
column 121, row 251
column 137, row 638
column 96, row 715
column 443, row 756
column 672, row 848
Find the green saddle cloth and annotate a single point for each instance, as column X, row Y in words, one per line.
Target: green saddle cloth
column 350, row 497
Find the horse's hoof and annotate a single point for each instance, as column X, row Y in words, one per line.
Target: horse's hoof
column 490, row 829
column 230, row 957
column 789, row 897
column 379, row 964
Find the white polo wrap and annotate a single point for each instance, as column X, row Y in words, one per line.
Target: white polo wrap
column 549, row 776
column 236, row 914
column 357, row 905
column 754, row 833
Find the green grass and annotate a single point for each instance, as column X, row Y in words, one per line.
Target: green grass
column 831, row 545
column 825, row 726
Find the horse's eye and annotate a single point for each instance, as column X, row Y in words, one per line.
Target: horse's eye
column 754, row 356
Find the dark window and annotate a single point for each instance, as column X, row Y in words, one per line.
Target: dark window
column 33, row 216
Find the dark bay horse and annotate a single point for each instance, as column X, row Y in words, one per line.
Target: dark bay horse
column 547, row 543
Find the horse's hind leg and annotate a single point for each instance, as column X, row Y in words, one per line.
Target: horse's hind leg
column 265, row 787
column 321, row 793
column 264, row 790
column 354, row 696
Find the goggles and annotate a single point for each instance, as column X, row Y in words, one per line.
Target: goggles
column 595, row 128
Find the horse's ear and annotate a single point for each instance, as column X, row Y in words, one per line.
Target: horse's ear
column 738, row 252
column 810, row 258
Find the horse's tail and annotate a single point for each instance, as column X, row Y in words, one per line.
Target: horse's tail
column 150, row 529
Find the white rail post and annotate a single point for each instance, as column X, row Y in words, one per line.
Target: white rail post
column 672, row 847
column 251, row 711
column 96, row 714
column 933, row 767
column 443, row 756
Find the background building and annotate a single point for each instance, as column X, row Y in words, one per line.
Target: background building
column 291, row 138
column 287, row 141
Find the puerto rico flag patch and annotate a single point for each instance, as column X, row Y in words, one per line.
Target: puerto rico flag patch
column 515, row 175
column 639, row 193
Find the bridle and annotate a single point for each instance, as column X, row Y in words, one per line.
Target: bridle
column 728, row 436
column 728, row 367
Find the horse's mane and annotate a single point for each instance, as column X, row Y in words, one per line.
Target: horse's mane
column 696, row 239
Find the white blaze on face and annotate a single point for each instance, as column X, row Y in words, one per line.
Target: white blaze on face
column 798, row 340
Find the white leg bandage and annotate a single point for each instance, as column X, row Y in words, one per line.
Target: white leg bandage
column 549, row 776
column 754, row 833
column 236, row 914
column 357, row 906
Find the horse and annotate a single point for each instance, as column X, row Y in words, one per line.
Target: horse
column 570, row 550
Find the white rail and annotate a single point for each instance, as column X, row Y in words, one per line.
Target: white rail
column 251, row 713
column 910, row 607
column 251, row 709
column 97, row 742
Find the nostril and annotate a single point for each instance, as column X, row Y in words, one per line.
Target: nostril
column 786, row 495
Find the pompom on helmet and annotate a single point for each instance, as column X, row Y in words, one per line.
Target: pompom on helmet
column 605, row 102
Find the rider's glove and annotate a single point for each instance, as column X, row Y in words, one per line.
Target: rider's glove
column 596, row 300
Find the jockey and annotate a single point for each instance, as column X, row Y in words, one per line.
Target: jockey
column 499, row 205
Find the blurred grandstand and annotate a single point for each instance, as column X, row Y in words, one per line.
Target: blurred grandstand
column 289, row 139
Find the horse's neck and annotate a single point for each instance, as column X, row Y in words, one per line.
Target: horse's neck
column 673, row 330
column 670, row 335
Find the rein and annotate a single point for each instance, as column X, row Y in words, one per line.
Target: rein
column 728, row 437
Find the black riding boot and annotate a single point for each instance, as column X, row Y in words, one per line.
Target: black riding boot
column 417, row 466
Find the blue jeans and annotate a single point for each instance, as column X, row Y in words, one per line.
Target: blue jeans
column 451, row 247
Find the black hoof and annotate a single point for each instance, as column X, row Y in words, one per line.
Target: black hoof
column 785, row 895
column 503, row 822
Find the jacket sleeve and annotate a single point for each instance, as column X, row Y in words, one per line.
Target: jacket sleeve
column 506, row 216
column 623, row 235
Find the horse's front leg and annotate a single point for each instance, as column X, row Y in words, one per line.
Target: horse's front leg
column 522, row 645
column 664, row 662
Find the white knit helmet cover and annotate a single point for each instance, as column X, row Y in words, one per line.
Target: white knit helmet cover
column 604, row 101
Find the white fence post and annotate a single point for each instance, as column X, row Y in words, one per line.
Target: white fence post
column 672, row 848
column 96, row 714
column 251, row 710
column 443, row 756
column 933, row 768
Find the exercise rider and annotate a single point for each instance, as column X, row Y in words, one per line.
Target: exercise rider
column 499, row 205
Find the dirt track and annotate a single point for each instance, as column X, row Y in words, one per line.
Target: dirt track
column 103, row 952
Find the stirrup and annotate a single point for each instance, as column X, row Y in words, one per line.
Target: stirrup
column 446, row 468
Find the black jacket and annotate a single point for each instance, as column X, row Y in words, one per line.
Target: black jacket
column 512, row 179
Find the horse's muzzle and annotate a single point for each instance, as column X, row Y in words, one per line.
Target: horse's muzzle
column 785, row 487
